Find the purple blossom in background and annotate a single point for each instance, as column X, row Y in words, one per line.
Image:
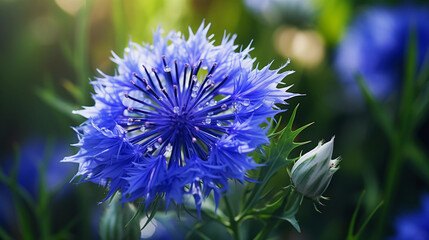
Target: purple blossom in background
column 375, row 47
column 414, row 225
column 177, row 117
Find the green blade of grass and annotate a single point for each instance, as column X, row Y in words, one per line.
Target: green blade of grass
column 380, row 114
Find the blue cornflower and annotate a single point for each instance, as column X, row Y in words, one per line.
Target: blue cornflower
column 414, row 225
column 178, row 117
column 375, row 47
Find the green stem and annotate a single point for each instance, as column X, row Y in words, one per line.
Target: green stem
column 403, row 135
column 272, row 222
column 392, row 175
column 233, row 226
column 81, row 57
column 268, row 227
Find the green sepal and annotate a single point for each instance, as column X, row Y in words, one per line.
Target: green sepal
column 291, row 209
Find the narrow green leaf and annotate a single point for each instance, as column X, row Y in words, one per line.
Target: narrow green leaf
column 4, row 235
column 65, row 230
column 152, row 213
column 139, row 210
column 73, row 90
column 421, row 103
column 274, row 127
column 380, row 114
column 81, row 48
column 355, row 213
column 25, row 222
column 67, row 52
column 368, row 219
column 419, row 159
column 423, row 75
column 113, row 220
column 42, row 207
column 350, row 234
column 195, row 230
column 406, row 107
column 57, row 103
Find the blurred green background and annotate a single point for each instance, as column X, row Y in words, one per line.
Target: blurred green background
column 50, row 49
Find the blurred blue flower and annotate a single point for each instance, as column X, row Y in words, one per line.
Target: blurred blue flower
column 414, row 225
column 178, row 117
column 33, row 154
column 375, row 47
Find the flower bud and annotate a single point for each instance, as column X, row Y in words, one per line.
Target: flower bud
column 313, row 171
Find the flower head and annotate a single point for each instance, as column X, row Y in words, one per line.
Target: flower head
column 375, row 47
column 178, row 117
column 313, row 172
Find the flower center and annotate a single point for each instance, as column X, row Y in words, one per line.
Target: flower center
column 181, row 122
column 174, row 112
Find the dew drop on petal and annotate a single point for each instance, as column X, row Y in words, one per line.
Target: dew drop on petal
column 157, row 145
column 208, row 120
column 169, row 148
column 147, row 101
column 245, row 102
column 219, row 123
column 167, row 69
column 213, row 102
column 236, row 106
column 210, row 113
column 176, row 109
column 194, row 78
column 149, row 148
column 194, row 94
column 143, row 128
column 241, row 149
